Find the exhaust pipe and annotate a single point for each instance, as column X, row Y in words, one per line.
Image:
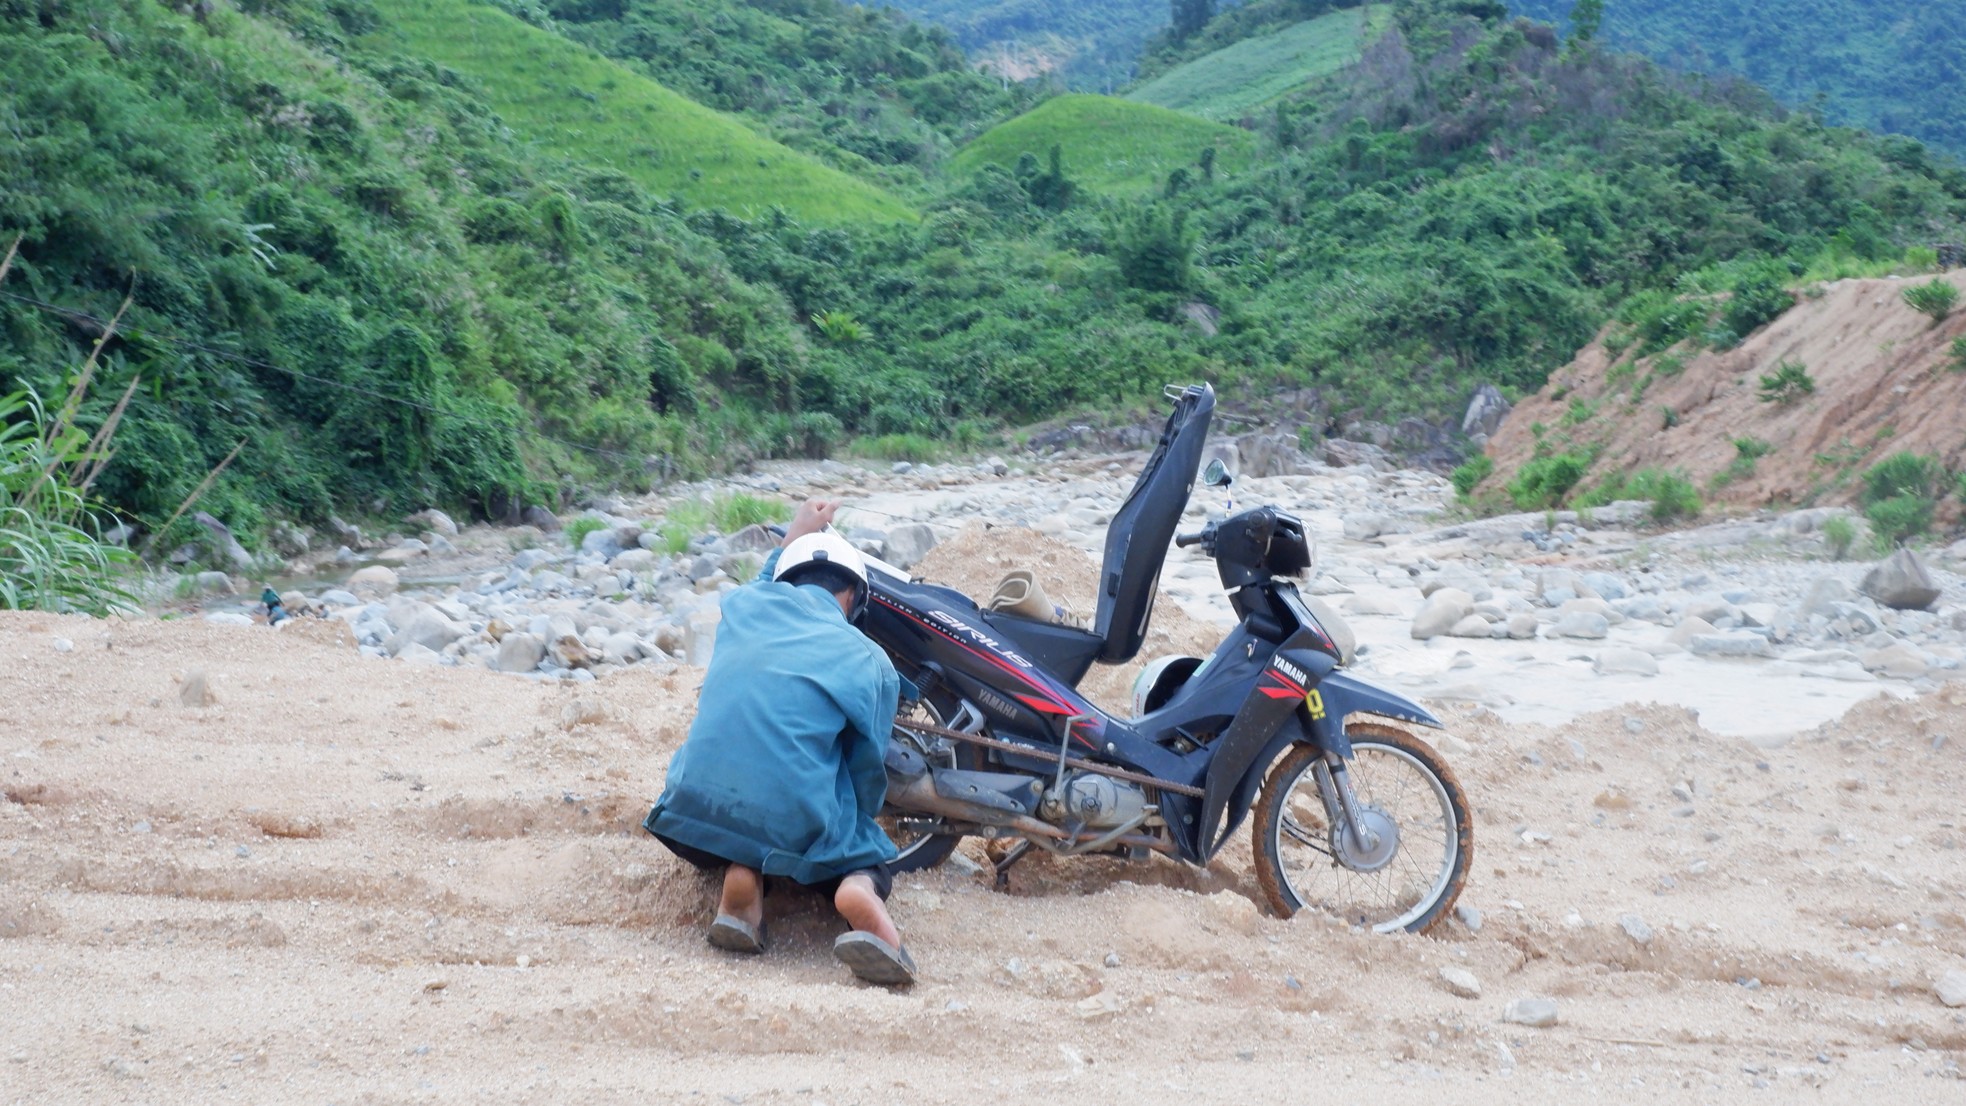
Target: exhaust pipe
column 927, row 793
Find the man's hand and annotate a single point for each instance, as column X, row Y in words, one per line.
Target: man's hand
column 814, row 515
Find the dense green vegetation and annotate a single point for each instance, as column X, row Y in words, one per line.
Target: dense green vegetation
column 340, row 258
column 578, row 106
column 1250, row 73
column 863, row 88
column 399, row 281
column 1116, row 146
column 1088, row 44
column 1889, row 67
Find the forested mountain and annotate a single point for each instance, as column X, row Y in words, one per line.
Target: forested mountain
column 1086, row 44
column 1887, row 65
column 508, row 274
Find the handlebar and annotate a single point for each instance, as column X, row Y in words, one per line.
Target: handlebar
column 1190, row 539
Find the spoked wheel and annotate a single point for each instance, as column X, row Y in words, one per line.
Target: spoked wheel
column 1405, row 873
column 916, row 836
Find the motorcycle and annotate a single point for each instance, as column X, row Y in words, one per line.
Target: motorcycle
column 1353, row 813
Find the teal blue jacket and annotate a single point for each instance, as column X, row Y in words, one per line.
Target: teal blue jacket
column 782, row 770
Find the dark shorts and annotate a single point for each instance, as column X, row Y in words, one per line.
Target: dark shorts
column 711, row 862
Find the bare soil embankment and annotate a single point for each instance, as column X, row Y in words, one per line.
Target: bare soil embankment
column 345, row 879
column 1882, row 384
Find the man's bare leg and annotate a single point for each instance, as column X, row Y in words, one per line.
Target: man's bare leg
column 743, row 895
column 861, row 906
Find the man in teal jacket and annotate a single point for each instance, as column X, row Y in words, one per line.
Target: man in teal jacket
column 781, row 774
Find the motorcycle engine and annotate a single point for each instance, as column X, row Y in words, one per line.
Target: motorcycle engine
column 1099, row 802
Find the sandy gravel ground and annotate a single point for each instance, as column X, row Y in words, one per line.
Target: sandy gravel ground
column 356, row 881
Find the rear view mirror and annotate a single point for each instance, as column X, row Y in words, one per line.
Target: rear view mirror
column 1216, row 474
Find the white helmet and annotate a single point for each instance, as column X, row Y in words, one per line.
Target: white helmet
column 1158, row 682
column 829, row 549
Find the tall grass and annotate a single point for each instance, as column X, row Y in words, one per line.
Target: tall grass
column 725, row 514
column 565, row 99
column 50, row 556
column 1110, row 145
column 1250, row 73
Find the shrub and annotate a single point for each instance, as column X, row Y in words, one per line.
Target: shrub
column 840, row 327
column 1789, row 382
column 1543, row 482
column 1958, row 363
column 1466, row 476
column 1935, row 298
column 899, row 447
column 1750, row 448
column 734, row 512
column 49, row 558
column 1903, row 474
column 578, row 529
column 1672, row 494
column 1898, row 519
column 1759, row 296
column 1838, row 534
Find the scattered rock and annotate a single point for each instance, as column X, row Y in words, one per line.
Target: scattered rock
column 540, row 517
column 1581, row 624
column 1951, row 987
column 1635, row 928
column 1461, row 982
column 1741, row 644
column 1100, row 1007
column 1469, row 917
column 1625, row 662
column 1899, row 661
column 1539, row 1013
column 1441, row 612
column 907, row 544
column 1901, row 582
column 195, row 690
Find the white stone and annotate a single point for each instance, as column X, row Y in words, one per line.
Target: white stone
column 1460, row 981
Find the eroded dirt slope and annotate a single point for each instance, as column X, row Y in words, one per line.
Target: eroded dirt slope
column 1882, row 384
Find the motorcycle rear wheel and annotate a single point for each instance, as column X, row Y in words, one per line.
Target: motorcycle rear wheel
column 1403, row 784
column 916, row 849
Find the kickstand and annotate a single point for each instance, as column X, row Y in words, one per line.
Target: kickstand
column 1010, row 858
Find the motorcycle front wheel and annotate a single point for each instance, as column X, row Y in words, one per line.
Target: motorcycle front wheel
column 1405, row 873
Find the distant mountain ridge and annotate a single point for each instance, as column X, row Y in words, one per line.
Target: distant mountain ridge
column 1898, row 68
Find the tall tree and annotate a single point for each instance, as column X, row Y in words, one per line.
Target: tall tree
column 1584, row 20
column 1190, row 16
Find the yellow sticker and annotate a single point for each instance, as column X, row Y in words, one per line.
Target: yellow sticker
column 1314, row 701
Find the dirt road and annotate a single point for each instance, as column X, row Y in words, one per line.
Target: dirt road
column 351, row 880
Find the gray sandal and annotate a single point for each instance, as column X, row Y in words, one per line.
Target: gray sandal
column 733, row 934
column 874, row 960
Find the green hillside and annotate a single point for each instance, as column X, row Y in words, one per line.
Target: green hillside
column 1113, row 146
column 1234, row 79
column 1888, row 67
column 586, row 109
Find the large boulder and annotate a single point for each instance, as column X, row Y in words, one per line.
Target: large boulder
column 540, row 517
column 908, row 543
column 1581, row 624
column 1901, row 583
column 429, row 628
column 753, row 539
column 1486, row 410
column 1741, row 643
column 225, row 548
column 1443, row 610
column 1269, row 454
column 1625, row 662
column 434, row 520
column 519, row 652
column 1344, row 453
column 373, row 582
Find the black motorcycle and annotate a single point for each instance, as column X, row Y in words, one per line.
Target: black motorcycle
column 1354, row 814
